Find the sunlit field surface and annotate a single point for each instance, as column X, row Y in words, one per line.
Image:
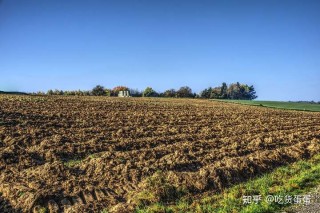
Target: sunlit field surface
column 76, row 154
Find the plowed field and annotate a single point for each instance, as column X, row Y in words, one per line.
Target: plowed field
column 82, row 154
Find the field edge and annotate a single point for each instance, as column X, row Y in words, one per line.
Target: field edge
column 292, row 180
column 307, row 107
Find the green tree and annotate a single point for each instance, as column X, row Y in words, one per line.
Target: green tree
column 98, row 90
column 50, row 92
column 86, row 92
column 170, row 93
column 149, row 92
column 224, row 91
column 184, row 92
column 108, row 92
column 58, row 92
column 215, row 93
column 233, row 91
column 251, row 93
column 206, row 93
column 241, row 92
column 135, row 93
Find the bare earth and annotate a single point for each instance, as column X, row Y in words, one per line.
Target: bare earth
column 82, row 154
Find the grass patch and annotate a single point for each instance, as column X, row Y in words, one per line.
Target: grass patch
column 73, row 162
column 291, row 180
column 78, row 160
column 156, row 192
column 21, row 193
column 40, row 209
column 279, row 104
column 93, row 156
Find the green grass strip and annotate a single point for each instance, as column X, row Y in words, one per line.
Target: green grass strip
column 295, row 179
column 278, row 104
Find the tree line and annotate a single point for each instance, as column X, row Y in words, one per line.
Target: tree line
column 232, row 91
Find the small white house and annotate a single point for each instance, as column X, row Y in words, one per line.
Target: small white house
column 124, row 94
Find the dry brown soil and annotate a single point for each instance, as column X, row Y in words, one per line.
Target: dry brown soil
column 85, row 154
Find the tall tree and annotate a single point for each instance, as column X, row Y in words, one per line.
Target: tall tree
column 149, row 92
column 224, row 91
column 135, row 92
column 170, row 93
column 206, row 93
column 98, row 90
column 184, row 92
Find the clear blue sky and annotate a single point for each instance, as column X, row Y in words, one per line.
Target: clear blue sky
column 76, row 44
